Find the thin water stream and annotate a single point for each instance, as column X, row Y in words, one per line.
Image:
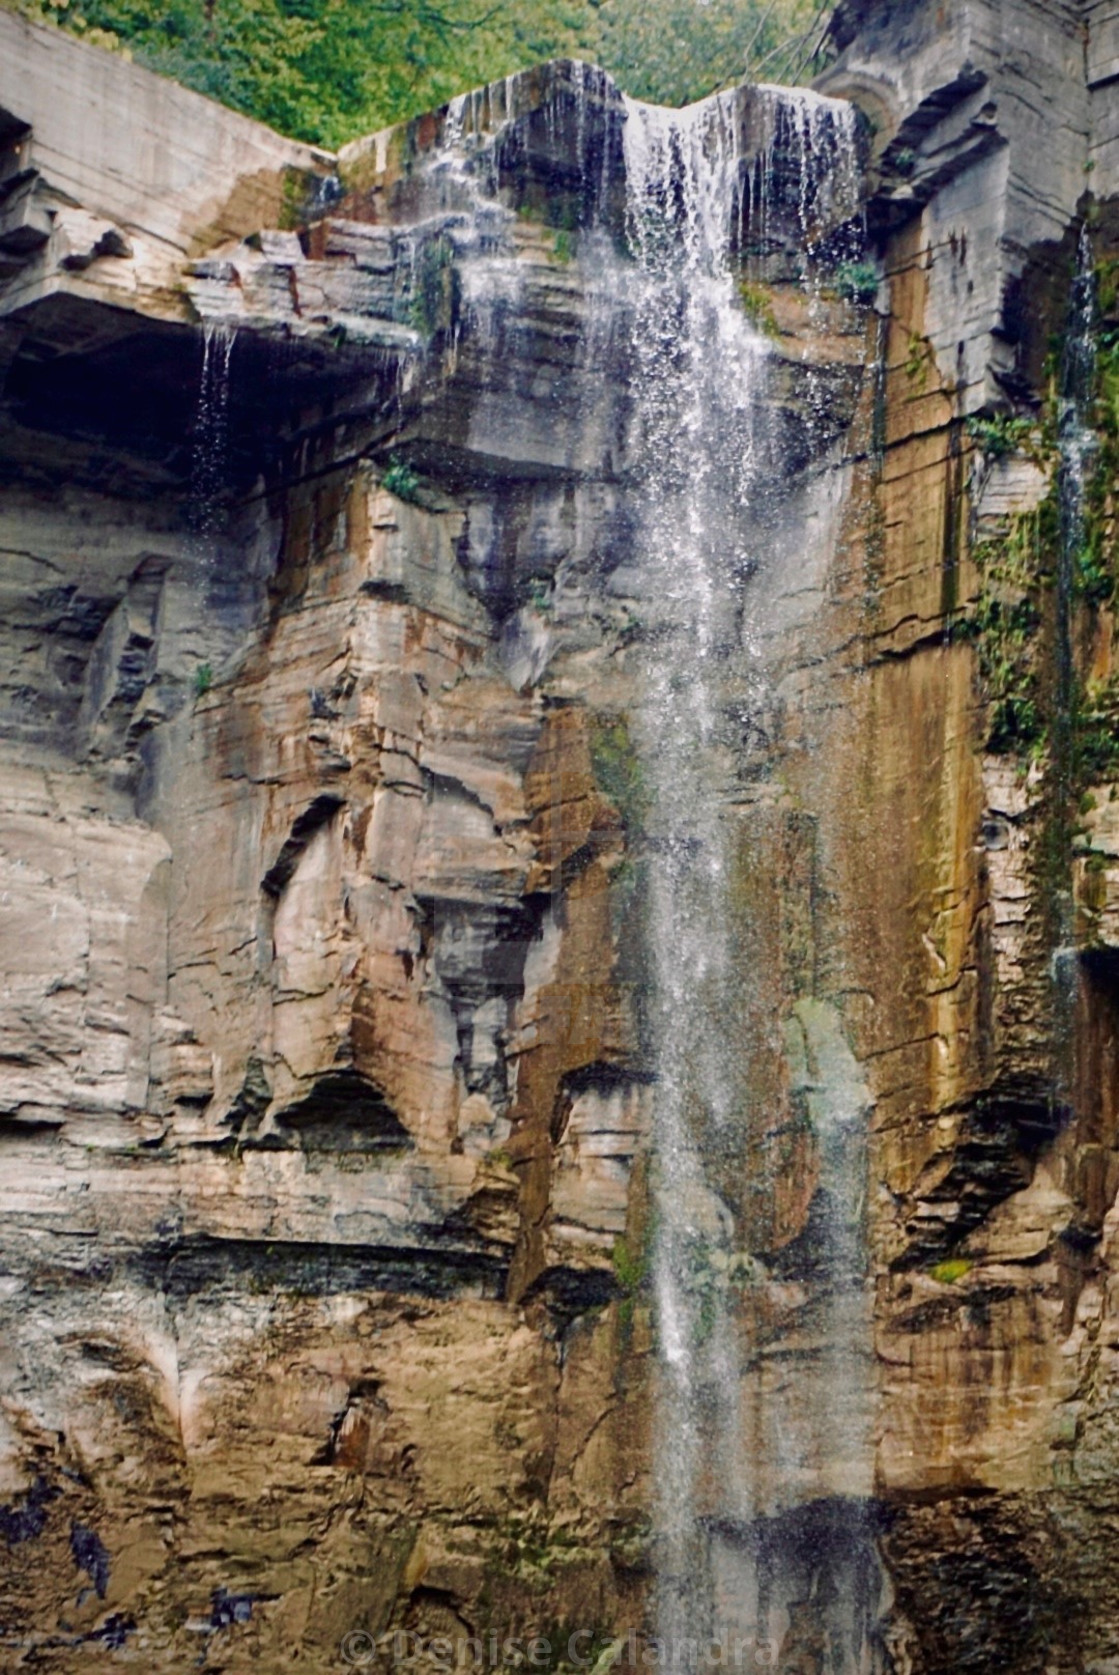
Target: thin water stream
column 210, row 461
column 1077, row 443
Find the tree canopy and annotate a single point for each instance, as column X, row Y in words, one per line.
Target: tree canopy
column 329, row 70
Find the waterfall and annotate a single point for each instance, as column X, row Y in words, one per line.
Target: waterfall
column 705, row 452
column 757, row 1516
column 700, row 369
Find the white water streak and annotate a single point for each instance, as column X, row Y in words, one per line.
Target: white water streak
column 702, row 377
column 211, row 433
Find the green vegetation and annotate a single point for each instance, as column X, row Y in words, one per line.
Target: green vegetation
column 1096, row 736
column 758, row 305
column 401, row 480
column 431, row 307
column 999, row 435
column 617, row 770
column 674, row 51
column 1040, row 712
column 631, row 1270
column 1097, row 562
column 203, row 679
column 1019, row 567
column 918, row 359
column 540, row 595
column 1004, row 624
column 951, row 1271
column 857, row 282
column 329, row 70
column 1004, row 632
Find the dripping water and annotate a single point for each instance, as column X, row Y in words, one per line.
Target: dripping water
column 808, row 165
column 210, row 461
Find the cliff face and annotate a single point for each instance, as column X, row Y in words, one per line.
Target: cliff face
column 309, row 968
column 985, row 735
column 332, row 1011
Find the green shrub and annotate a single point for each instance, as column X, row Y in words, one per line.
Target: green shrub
column 999, row 434
column 328, row 72
column 857, row 282
column 401, row 480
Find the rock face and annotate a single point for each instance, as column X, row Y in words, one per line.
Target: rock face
column 982, row 726
column 326, row 1086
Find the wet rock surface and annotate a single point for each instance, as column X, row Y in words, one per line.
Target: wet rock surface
column 326, row 1088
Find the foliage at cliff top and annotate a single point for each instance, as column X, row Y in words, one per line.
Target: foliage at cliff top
column 329, row 70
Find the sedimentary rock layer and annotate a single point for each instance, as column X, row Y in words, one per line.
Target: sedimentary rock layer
column 325, row 1087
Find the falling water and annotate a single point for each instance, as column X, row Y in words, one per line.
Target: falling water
column 1076, row 446
column 706, row 453
column 209, row 464
column 1075, row 436
column 811, row 156
column 700, row 367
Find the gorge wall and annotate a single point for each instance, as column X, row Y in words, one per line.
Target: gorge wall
column 335, row 803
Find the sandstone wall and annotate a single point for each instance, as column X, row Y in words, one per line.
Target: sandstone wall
column 320, row 1104
column 993, row 1061
column 324, row 1096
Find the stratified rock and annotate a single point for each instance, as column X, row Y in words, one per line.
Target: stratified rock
column 326, row 1081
